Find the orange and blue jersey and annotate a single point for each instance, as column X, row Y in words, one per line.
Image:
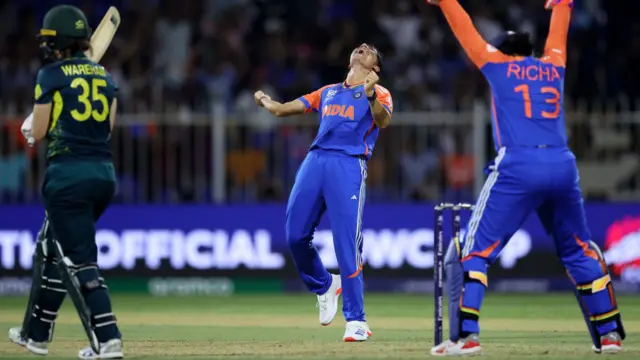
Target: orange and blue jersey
column 534, row 171
column 346, row 122
column 526, row 92
column 332, row 179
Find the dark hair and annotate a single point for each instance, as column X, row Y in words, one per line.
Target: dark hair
column 379, row 60
column 77, row 45
column 514, row 44
column 379, row 56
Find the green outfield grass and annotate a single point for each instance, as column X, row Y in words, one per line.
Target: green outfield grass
column 546, row 327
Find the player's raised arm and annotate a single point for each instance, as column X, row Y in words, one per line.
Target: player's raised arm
column 556, row 46
column 464, row 30
column 302, row 105
column 277, row 108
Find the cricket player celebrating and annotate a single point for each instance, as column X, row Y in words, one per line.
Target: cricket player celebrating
column 534, row 171
column 332, row 177
column 74, row 110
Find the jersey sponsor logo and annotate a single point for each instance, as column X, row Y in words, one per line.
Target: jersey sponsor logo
column 622, row 248
column 544, row 72
column 330, row 94
column 345, row 111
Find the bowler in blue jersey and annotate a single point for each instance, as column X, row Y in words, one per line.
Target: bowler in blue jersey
column 332, row 178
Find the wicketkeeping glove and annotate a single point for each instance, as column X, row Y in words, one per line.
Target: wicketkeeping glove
column 549, row 4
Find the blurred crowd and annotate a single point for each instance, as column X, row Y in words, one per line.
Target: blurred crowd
column 181, row 57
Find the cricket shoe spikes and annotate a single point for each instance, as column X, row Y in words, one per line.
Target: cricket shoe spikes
column 356, row 331
column 611, row 343
column 328, row 302
column 34, row 347
column 111, row 349
column 468, row 346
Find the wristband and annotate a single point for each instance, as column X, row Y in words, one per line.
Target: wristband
column 372, row 98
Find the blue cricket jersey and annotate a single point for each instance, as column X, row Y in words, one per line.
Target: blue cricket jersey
column 346, row 122
column 527, row 92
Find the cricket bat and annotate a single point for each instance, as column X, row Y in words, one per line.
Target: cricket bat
column 100, row 41
column 104, row 33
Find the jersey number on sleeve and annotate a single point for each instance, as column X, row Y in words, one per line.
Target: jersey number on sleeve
column 88, row 97
column 554, row 100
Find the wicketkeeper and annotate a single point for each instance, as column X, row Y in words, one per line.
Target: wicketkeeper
column 534, row 171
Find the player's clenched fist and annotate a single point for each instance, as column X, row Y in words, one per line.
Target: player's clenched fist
column 370, row 81
column 259, row 96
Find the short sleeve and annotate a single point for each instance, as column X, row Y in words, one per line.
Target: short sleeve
column 384, row 97
column 311, row 101
column 111, row 82
column 45, row 86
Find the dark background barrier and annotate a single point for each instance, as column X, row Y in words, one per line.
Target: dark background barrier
column 249, row 241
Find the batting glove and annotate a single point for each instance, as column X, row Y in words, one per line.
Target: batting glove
column 26, row 130
column 550, row 4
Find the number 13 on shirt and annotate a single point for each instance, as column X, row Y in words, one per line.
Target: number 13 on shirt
column 552, row 97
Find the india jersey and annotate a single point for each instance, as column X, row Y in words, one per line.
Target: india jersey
column 527, row 92
column 81, row 93
column 526, row 102
column 346, row 122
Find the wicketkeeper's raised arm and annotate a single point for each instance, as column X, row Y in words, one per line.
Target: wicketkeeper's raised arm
column 556, row 45
column 466, row 33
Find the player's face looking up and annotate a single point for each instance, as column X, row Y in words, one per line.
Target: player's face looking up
column 365, row 55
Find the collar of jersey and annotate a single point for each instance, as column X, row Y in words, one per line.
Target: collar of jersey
column 347, row 86
column 76, row 56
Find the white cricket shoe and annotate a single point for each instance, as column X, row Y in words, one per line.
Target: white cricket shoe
column 441, row 349
column 15, row 337
column 111, row 349
column 356, row 331
column 464, row 347
column 34, row 347
column 328, row 302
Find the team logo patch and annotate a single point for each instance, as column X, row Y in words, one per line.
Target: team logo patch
column 357, row 95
